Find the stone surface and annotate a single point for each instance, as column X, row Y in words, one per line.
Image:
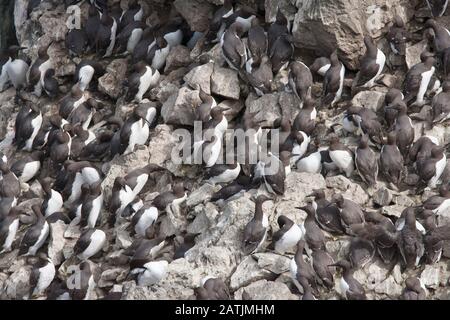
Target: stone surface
column 225, row 83
column 111, row 82
column 200, row 76
column 177, row 58
column 369, row 99
column 266, row 290
column 324, row 25
column 180, row 107
column 197, row 13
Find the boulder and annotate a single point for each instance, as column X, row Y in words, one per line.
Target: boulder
column 197, row 13
column 180, row 107
column 178, row 57
column 373, row 100
column 324, row 26
column 266, row 290
column 225, row 83
column 200, row 76
column 111, row 82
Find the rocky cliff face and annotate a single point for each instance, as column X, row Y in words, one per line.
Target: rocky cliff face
column 7, row 33
column 318, row 27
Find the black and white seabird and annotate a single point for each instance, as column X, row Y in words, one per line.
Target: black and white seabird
column 342, row 156
column 414, row 290
column 85, row 71
column 143, row 219
column 371, row 65
column 134, row 13
column 441, row 104
column 223, row 173
column 305, row 120
column 366, row 162
column 333, row 83
column 217, row 26
column 41, row 277
column 393, row 97
column 92, row 206
column 151, row 272
column 138, row 178
column 313, row 235
column 86, row 279
column 106, row 35
column 35, row 235
column 27, row 125
column 391, row 160
column 418, row 79
column 321, row 260
column 410, row 241
column 91, row 27
column 129, row 37
column 300, row 80
column 38, row 69
column 397, row 36
column 203, row 111
column 121, row 196
column 53, row 201
column 50, row 84
column 13, row 69
column 9, row 226
column 76, row 41
column 171, row 200
column 327, row 214
column 320, row 66
column 281, row 52
column 233, row 48
column 420, row 151
column 437, row 7
column 260, row 76
column 439, row 203
column 350, row 212
column 431, row 169
column 158, row 53
column 278, row 28
column 403, row 128
column 28, row 167
column 9, row 183
column 301, row 268
column 141, row 80
column 434, row 243
column 188, row 242
column 350, row 287
column 360, row 252
column 90, row 243
column 212, row 289
column 257, row 45
column 255, row 231
column 287, row 236
column 75, row 98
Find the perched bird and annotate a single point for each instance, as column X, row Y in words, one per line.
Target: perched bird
column 350, row 287
column 255, row 231
column 212, row 289
column 300, row 80
column 9, row 226
column 437, row 7
column 342, row 156
column 418, row 78
column 371, row 65
column 397, row 36
column 350, row 212
column 391, row 161
column 441, row 104
column 233, row 49
column 439, row 203
column 413, row 290
column 41, row 276
column 36, row 235
column 90, row 243
column 287, row 236
column 333, row 83
column 410, row 242
column 366, row 162
column 28, row 167
column 302, row 269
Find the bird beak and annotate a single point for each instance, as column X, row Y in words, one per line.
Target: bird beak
column 22, row 48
